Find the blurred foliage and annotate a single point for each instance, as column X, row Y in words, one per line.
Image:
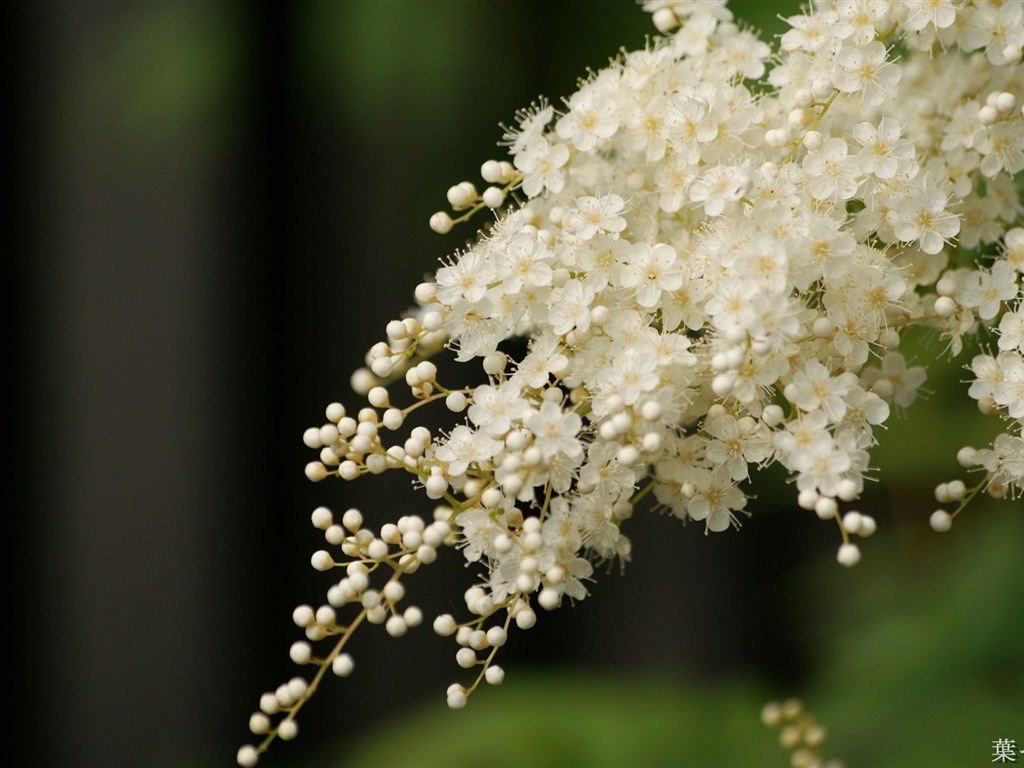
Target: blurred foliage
column 172, row 73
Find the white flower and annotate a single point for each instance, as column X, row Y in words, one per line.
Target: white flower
column 545, row 358
column 554, row 430
column 883, row 152
column 939, row 13
column 651, row 269
column 525, row 264
column 821, row 465
column 864, row 18
column 532, row 122
column 987, row 290
column 633, row 374
column 831, row 173
column 496, row 409
column 894, row 381
column 463, row 447
column 715, row 499
column 1011, row 331
column 592, row 119
column 1002, row 149
column 541, row 164
column 719, row 187
column 595, row 214
column 649, row 127
column 570, row 307
column 1009, row 390
column 478, row 532
column 811, row 32
column 816, row 388
column 467, row 278
column 1013, row 248
column 923, row 218
column 864, row 70
column 997, row 27
column 697, row 127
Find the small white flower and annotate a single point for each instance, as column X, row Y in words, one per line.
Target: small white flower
column 865, row 71
column 719, row 187
column 924, row 219
column 555, row 430
column 650, row 270
column 593, row 215
column 884, row 153
column 831, row 173
column 541, row 164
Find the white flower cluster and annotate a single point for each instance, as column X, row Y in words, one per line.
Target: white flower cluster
column 703, row 263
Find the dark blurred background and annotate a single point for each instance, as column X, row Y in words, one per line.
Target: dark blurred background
column 213, row 209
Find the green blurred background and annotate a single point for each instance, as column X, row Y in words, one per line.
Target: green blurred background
column 215, row 208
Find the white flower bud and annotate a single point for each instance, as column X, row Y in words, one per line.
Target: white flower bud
column 848, row 555
column 940, row 521
column 441, row 223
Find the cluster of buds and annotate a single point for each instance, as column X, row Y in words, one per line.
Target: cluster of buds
column 799, row 733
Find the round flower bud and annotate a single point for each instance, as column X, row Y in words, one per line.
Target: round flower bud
column 848, row 555
column 316, row 471
column 459, row 197
column 494, row 675
column 457, row 699
column 826, row 508
column 269, row 704
column 771, row 714
column 342, row 665
column 496, row 636
column 987, row 115
column 773, row 415
column 378, row 396
column 444, row 625
column 494, row 363
column 847, row 490
column 491, row 172
column 303, row 616
column 945, row 306
column 362, row 381
column 852, row 521
column 321, row 560
column 396, row 626
column 352, row 519
column 311, row 438
column 441, row 223
column 326, row 616
column 287, row 730
column 456, row 402
column 664, row 19
column 940, row 521
column 493, row 197
column 465, row 658
column 301, row 652
column 822, row 88
column 248, row 756
column 956, row 490
column 259, row 723
column 798, row 119
column 526, row 618
column 322, row 518
column 548, row 599
column 813, row 140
